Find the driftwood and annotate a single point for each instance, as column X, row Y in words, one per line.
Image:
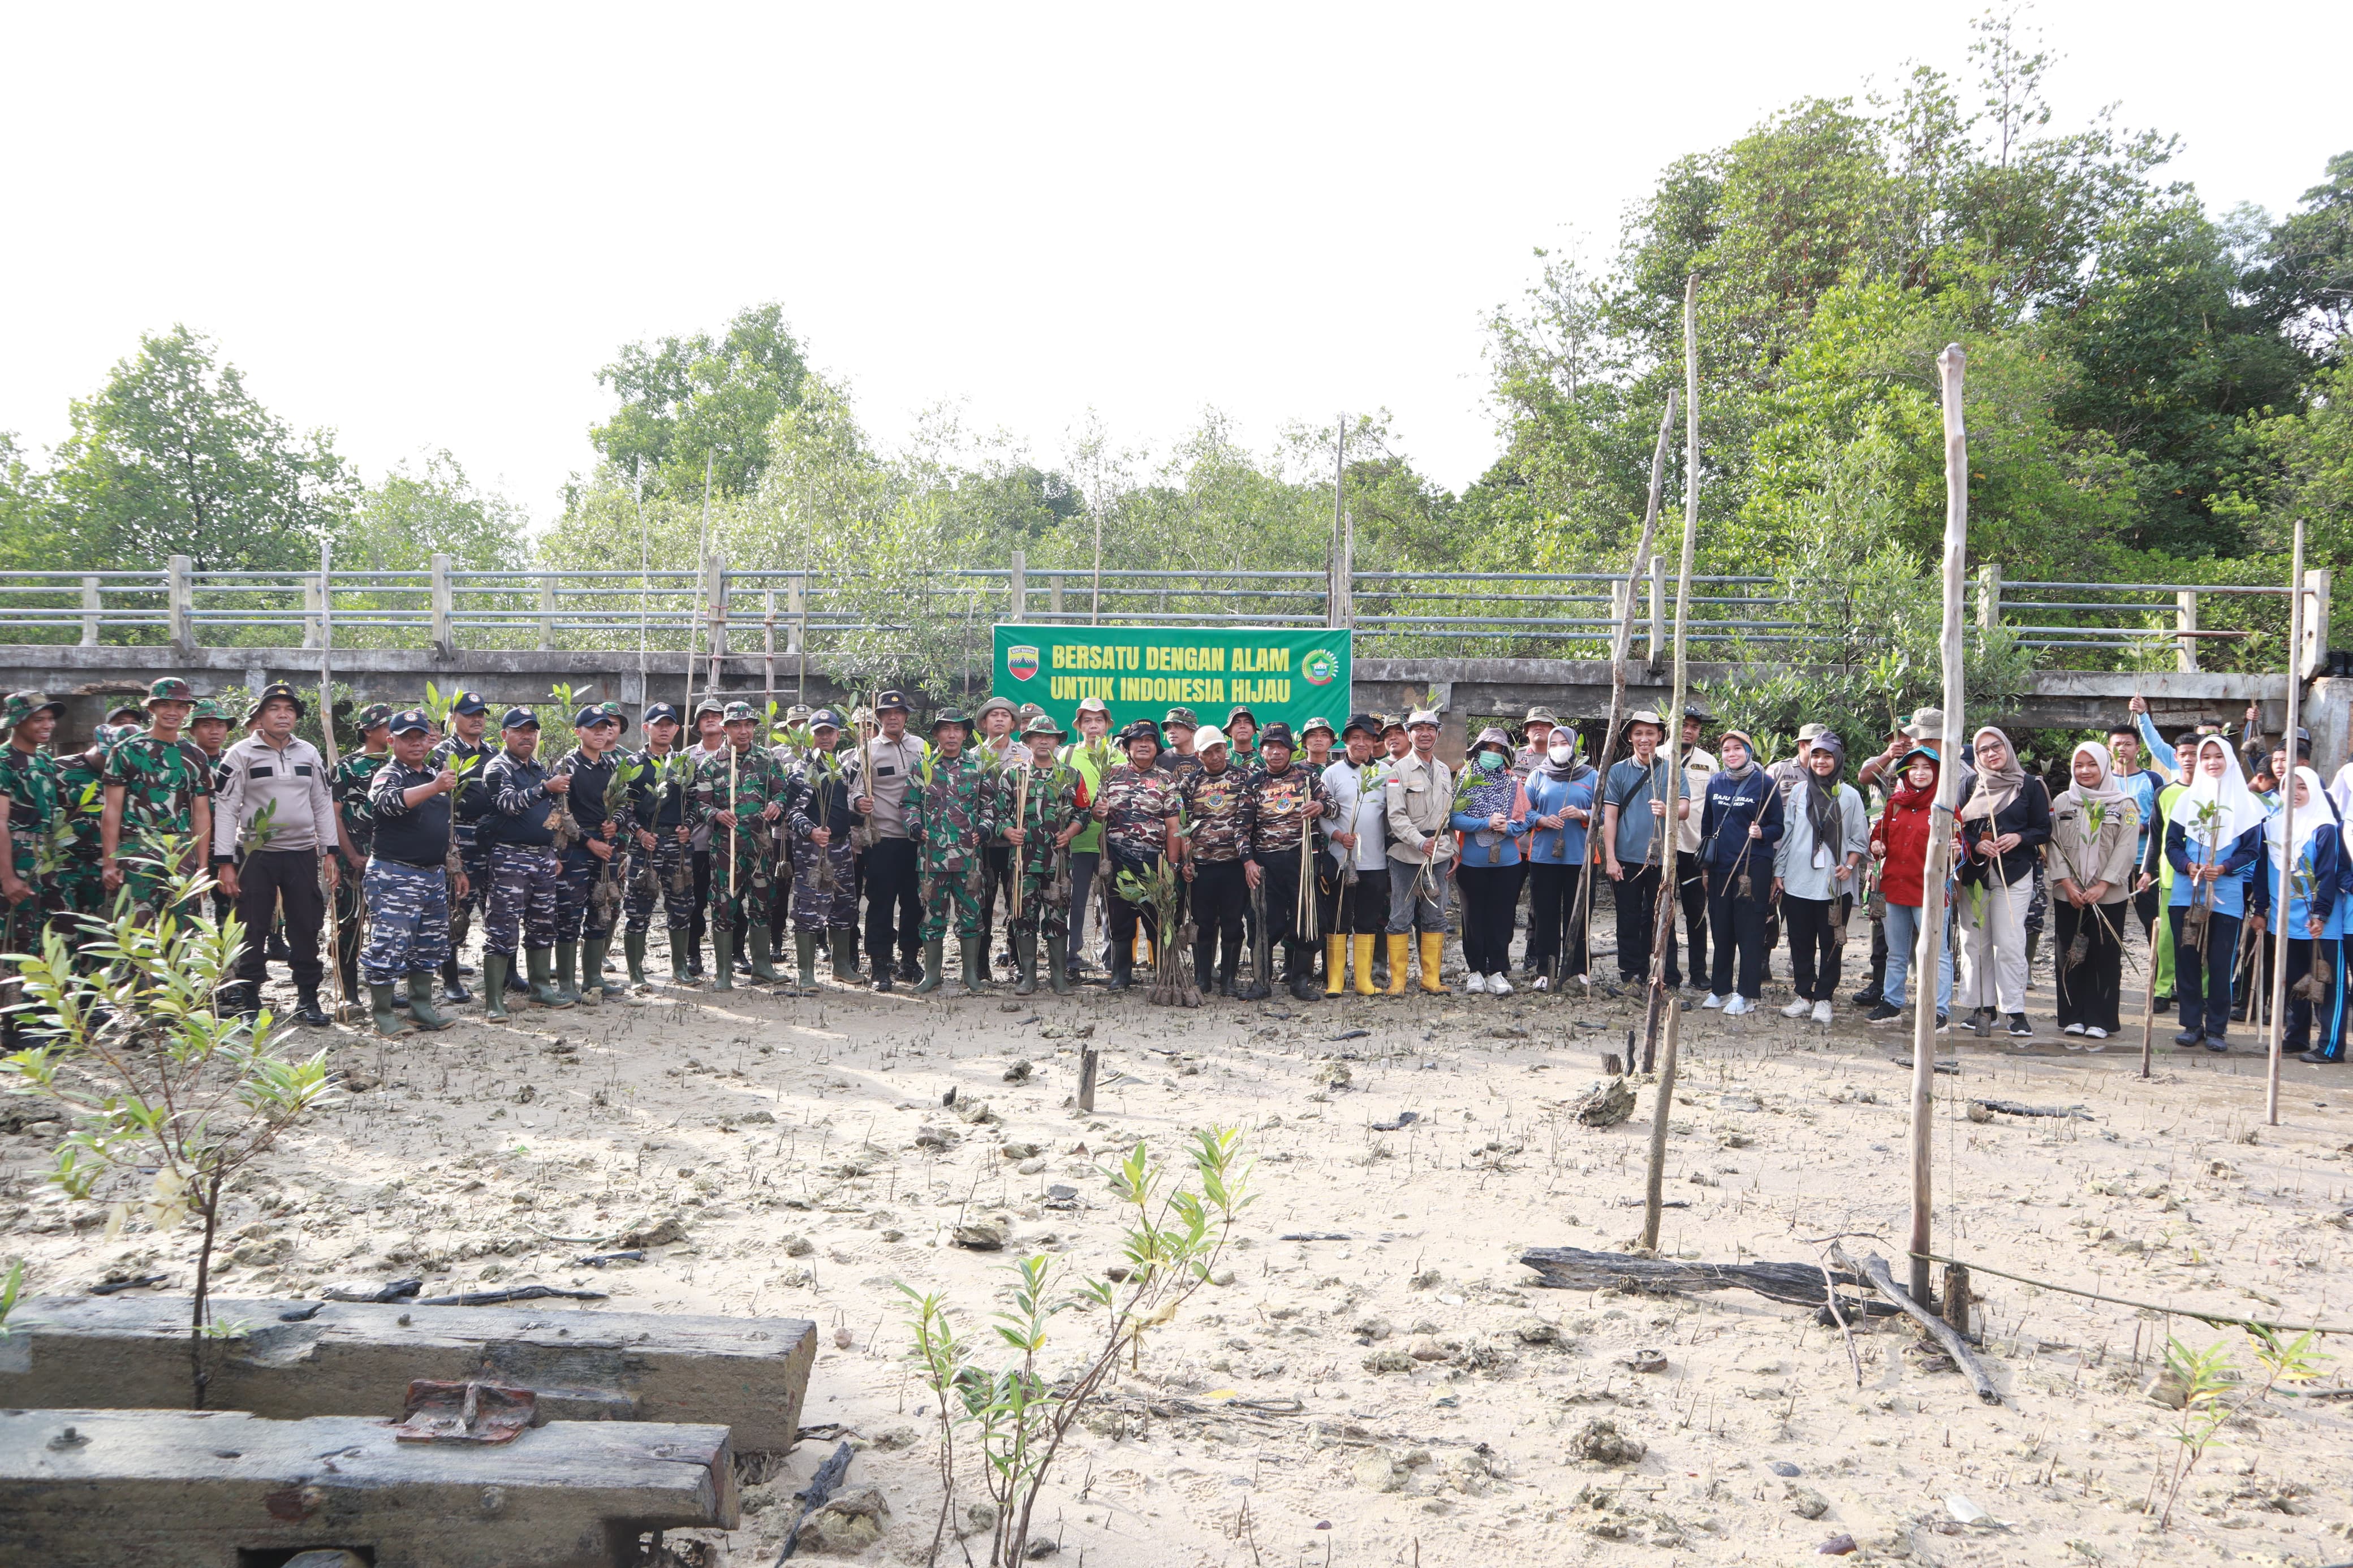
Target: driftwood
column 1874, row 1269
column 2019, row 1107
column 1574, row 1268
column 812, row 1496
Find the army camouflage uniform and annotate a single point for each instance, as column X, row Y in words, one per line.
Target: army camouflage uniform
column 1278, row 809
column 160, row 784
column 471, row 805
column 29, row 782
column 1045, row 882
column 665, row 873
column 1137, row 803
column 1219, row 897
column 758, row 784
column 349, row 781
column 951, row 811
column 81, row 795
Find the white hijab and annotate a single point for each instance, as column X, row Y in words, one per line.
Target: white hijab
column 2340, row 794
column 2240, row 808
column 2310, row 818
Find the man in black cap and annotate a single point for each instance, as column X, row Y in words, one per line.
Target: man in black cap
column 464, row 752
column 1092, row 755
column 1281, row 811
column 588, row 893
column 274, row 835
column 407, row 878
column 661, row 866
column 820, row 802
column 526, row 808
column 348, row 784
column 894, row 904
column 1356, row 870
column 1138, row 808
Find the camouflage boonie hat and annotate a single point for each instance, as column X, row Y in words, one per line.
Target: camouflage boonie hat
column 20, row 706
column 1027, row 711
column 369, row 717
column 739, row 712
column 207, row 707
column 799, row 713
column 947, row 716
column 1314, row 724
column 171, row 689
column 713, row 705
column 1042, row 725
column 1181, row 718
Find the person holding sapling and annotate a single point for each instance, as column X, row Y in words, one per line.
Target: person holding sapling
column 1282, row 808
column 738, row 795
column 276, row 809
column 2213, row 835
column 2005, row 822
column 1417, row 792
column 407, row 883
column 659, row 863
column 584, row 910
column 464, row 752
column 526, row 807
column 821, row 806
column 1640, row 846
column 1899, row 839
column 1138, row 808
column 1212, row 799
column 1092, row 755
column 1039, row 811
column 1817, row 872
column 2095, row 831
column 1740, row 831
column 950, row 814
column 2311, row 917
column 1360, row 861
column 32, row 815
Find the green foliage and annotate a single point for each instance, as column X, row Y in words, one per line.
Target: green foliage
column 2208, row 1380
column 12, row 1289
column 686, row 399
column 400, row 524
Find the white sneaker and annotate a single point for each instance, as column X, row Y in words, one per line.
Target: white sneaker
column 1823, row 1011
column 1499, row 985
column 2074, row 1029
column 2097, row 1032
column 1737, row 1005
column 1542, row 982
column 1474, row 982
column 1712, row 1001
column 1797, row 1009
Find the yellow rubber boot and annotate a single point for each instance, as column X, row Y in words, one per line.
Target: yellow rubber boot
column 1335, row 965
column 1400, row 966
column 1363, row 948
column 1433, row 948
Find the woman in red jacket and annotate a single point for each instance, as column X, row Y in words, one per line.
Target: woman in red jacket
column 1899, row 842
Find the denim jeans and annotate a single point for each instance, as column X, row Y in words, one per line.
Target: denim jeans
column 1902, row 938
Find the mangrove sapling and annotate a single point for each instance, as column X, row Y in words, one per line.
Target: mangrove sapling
column 1011, row 1420
column 2207, row 1379
column 158, row 1084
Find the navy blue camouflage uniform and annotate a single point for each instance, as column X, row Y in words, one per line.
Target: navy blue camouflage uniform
column 407, row 878
column 824, row 878
column 578, row 909
column 525, row 866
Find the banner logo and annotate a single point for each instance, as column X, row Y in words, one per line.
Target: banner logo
column 1319, row 667
column 1022, row 662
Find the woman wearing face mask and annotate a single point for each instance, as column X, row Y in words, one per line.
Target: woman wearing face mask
column 1900, row 841
column 1816, row 872
column 1490, row 814
column 2313, row 918
column 2005, row 822
column 2094, row 830
column 1740, row 828
column 2215, row 831
column 1560, row 804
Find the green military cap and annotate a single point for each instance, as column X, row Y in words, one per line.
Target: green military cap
column 799, row 713
column 1314, row 724
column 1042, row 725
column 171, row 689
column 369, row 717
column 1181, row 718
column 736, row 713
column 947, row 716
column 20, row 706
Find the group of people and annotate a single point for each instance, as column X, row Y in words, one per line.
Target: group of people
column 1340, row 849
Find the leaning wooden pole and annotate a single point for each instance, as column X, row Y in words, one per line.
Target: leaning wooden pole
column 1954, row 363
column 2281, row 934
column 1619, row 641
column 1655, row 1177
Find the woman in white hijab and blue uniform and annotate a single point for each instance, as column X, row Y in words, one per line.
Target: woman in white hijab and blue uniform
column 2213, row 834
column 2315, row 867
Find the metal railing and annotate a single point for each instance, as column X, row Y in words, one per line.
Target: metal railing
column 789, row 614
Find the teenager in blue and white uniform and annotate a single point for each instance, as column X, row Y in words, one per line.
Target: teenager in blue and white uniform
column 2213, row 834
column 2314, row 924
column 1560, row 788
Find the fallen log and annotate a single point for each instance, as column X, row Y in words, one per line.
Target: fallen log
column 1873, row 1268
column 1574, row 1268
column 2019, row 1107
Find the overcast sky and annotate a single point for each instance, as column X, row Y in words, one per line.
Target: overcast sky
column 429, row 226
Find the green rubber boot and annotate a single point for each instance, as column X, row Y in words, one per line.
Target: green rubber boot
column 567, row 960
column 976, row 965
column 592, row 968
column 633, row 948
column 763, row 967
column 1058, row 965
column 841, row 946
column 388, row 1022
column 805, row 950
column 722, row 960
column 591, row 954
column 934, row 965
column 1025, row 954
column 420, row 1001
column 494, row 984
column 681, row 953
column 538, row 963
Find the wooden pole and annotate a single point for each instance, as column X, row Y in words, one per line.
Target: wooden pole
column 1953, row 363
column 694, row 595
column 2149, row 995
column 2280, row 933
column 1665, row 1092
column 327, row 749
column 1620, row 639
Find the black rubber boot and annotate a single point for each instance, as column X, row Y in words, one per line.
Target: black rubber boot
column 1025, row 960
column 453, row 990
column 307, row 1011
column 1123, row 967
column 1205, row 962
column 1230, row 964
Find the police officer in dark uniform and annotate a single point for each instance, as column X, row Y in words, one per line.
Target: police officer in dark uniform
column 464, row 752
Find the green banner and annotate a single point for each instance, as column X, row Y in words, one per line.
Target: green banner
column 1282, row 675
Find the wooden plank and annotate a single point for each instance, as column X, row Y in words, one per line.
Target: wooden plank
column 199, row 1489
column 356, row 1358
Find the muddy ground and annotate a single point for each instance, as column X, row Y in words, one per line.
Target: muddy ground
column 1403, row 1390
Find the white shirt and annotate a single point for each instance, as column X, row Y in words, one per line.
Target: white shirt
column 1699, row 767
column 1364, row 810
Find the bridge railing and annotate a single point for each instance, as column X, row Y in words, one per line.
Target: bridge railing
column 788, row 614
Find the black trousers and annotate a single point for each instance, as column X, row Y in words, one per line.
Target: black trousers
column 1816, row 934
column 1364, row 906
column 1490, row 896
column 2088, row 992
column 2329, row 1009
column 894, row 905
column 1691, row 892
column 1279, row 878
column 1125, row 917
column 1220, row 896
column 1327, row 896
column 702, row 899
column 2202, row 980
column 1636, row 895
column 1878, row 982
column 268, row 879
column 1739, row 925
column 1552, row 918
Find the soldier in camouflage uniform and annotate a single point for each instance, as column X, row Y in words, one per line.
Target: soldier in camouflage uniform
column 209, row 728
column 81, row 795
column 348, row 782
column 31, row 815
column 1042, row 809
column 822, row 818
column 465, row 752
column 1213, row 862
column 951, row 811
column 159, row 786
column 521, row 829
column 1283, row 803
column 1139, row 810
column 739, row 794
column 588, row 891
column 407, row 878
column 660, row 869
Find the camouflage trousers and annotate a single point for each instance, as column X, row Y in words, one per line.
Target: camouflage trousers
column 22, row 926
column 522, row 892
column 408, row 921
column 148, row 881
column 1044, row 902
column 586, row 901
column 816, row 908
column 477, row 862
column 663, row 873
column 754, row 883
column 946, row 889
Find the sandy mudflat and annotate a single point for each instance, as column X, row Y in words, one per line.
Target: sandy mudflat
column 1440, row 1396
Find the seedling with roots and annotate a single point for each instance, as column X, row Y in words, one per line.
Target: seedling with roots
column 2209, row 1378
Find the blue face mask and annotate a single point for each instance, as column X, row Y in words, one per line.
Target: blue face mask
column 1489, row 763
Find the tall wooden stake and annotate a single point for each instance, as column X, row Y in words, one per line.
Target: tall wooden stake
column 327, row 749
column 1954, row 363
column 2288, row 826
column 696, row 610
column 1656, row 1176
